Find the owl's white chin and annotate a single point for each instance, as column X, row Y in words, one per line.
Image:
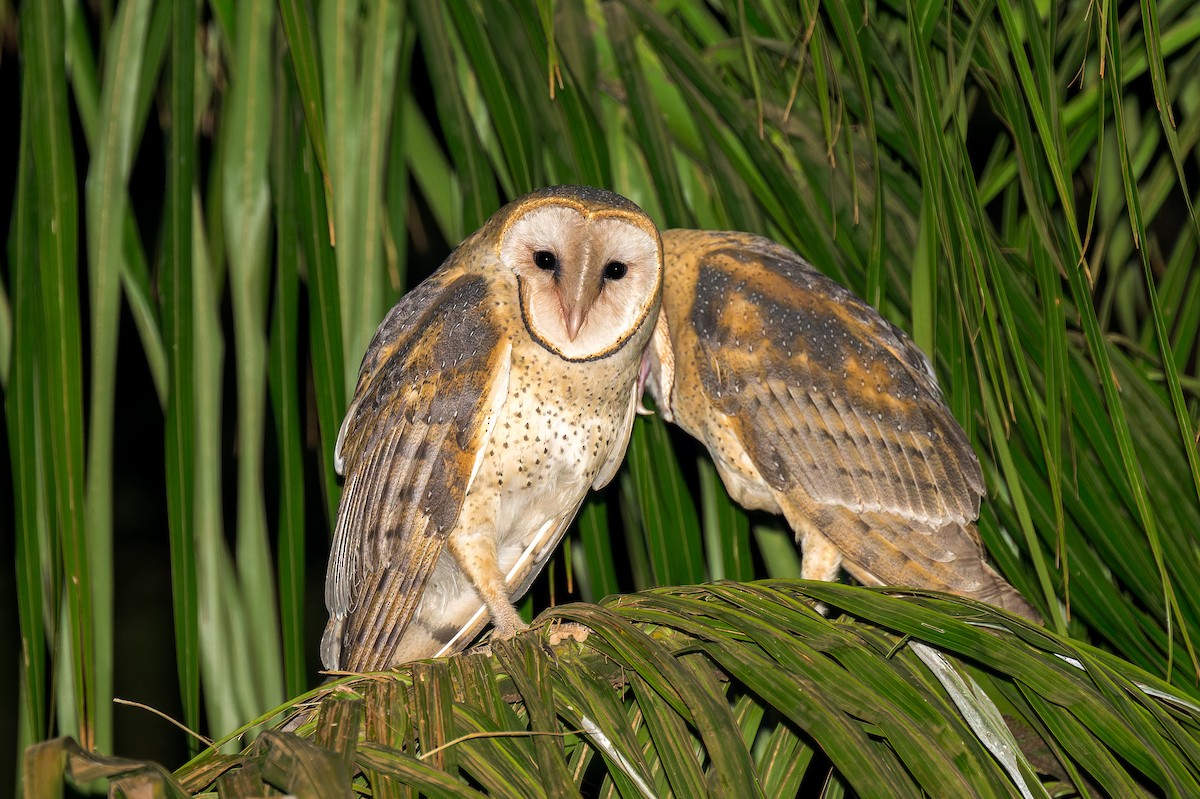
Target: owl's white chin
column 609, row 326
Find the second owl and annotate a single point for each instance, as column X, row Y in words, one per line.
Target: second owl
column 814, row 406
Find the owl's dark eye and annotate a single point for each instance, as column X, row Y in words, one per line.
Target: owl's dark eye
column 545, row 260
column 615, row 270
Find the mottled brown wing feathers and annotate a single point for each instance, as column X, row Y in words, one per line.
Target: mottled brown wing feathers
column 944, row 559
column 826, row 395
column 422, row 412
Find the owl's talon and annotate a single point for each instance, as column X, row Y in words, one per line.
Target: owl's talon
column 506, row 624
column 563, row 631
column 484, row 648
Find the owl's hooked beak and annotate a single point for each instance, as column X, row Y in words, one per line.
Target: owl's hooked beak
column 578, row 292
column 574, row 318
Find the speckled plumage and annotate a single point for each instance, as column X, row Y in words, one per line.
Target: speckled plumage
column 814, row 406
column 491, row 399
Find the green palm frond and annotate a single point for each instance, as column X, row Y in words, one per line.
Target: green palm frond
column 730, row 689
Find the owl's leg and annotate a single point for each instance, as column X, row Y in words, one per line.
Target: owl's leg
column 820, row 558
column 476, row 555
column 563, row 631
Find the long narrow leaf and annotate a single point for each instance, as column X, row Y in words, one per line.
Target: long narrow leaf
column 246, row 208
column 58, row 222
column 27, row 432
column 108, row 175
column 179, row 335
column 284, row 382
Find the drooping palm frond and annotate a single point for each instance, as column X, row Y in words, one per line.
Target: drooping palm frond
column 729, row 689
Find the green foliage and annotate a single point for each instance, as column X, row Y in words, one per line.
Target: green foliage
column 1007, row 181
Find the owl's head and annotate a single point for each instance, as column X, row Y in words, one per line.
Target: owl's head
column 589, row 268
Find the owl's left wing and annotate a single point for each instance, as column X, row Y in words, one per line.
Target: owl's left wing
column 427, row 398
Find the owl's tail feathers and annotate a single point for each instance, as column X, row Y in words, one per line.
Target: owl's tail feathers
column 890, row 550
column 331, row 643
column 989, row 587
column 1000, row 593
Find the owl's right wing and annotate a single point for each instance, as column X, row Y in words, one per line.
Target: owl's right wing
column 824, row 394
column 428, row 394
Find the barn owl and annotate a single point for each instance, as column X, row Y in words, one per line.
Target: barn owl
column 492, row 397
column 814, row 406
